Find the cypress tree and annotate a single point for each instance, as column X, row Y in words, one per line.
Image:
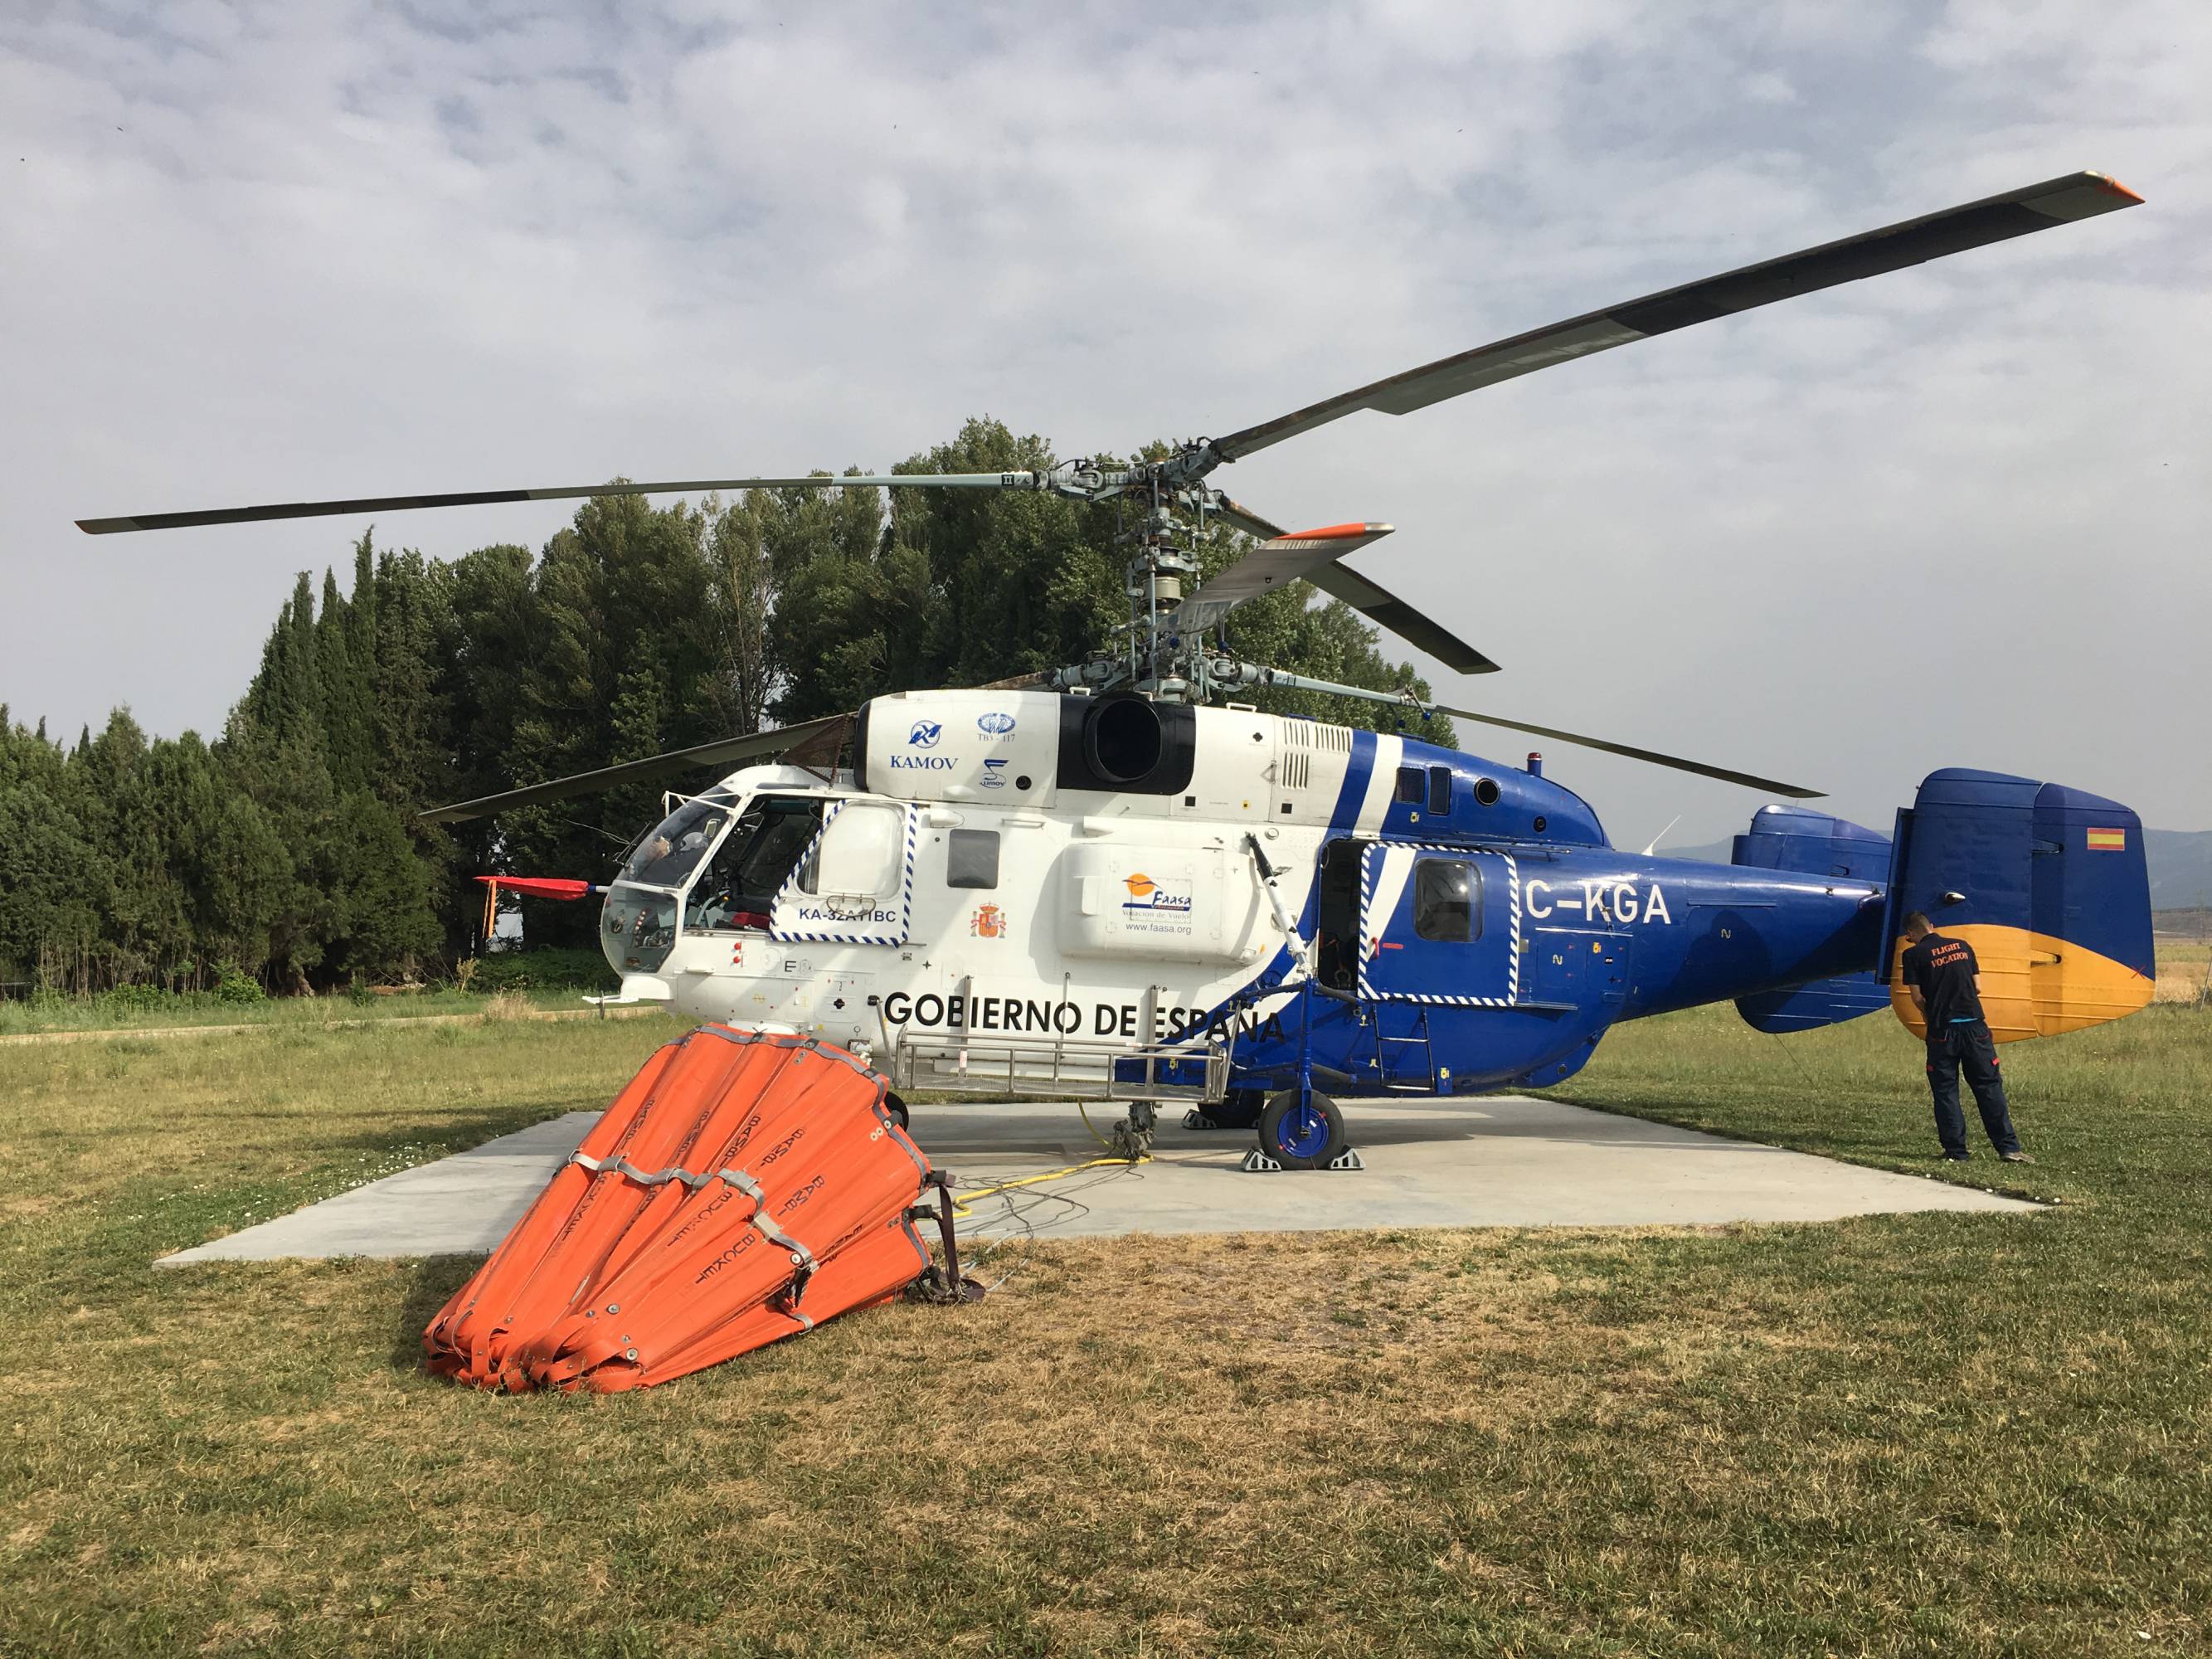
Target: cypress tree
column 54, row 879
column 342, row 691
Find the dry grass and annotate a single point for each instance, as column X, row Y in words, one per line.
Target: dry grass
column 2184, row 967
column 1950, row 1433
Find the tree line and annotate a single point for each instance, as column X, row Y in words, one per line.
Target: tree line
column 287, row 850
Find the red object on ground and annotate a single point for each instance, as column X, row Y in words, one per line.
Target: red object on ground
column 552, row 887
column 742, row 1187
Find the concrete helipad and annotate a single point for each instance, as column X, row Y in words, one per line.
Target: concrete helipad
column 1498, row 1162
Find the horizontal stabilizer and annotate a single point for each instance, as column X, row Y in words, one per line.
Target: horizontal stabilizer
column 1804, row 842
column 1824, row 1002
column 1813, row 844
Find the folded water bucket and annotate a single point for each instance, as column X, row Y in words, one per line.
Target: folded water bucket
column 742, row 1187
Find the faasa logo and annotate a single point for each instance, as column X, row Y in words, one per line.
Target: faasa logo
column 995, row 725
column 925, row 734
column 989, row 921
column 1146, row 894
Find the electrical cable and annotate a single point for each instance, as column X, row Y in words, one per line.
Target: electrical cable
column 961, row 1212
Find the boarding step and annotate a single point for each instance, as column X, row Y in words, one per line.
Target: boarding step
column 1420, row 1038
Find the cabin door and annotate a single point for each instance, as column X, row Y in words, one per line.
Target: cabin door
column 854, row 884
column 1438, row 926
column 1336, row 914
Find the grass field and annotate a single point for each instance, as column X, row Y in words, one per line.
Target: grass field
column 86, row 1014
column 1934, row 1434
column 2184, row 968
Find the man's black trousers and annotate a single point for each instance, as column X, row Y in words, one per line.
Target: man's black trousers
column 1969, row 1048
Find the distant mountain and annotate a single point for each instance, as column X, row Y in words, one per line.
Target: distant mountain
column 2180, row 867
column 2180, row 862
column 1713, row 852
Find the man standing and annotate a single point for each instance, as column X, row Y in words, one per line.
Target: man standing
column 1946, row 983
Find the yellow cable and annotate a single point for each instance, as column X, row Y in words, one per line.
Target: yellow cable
column 961, row 1212
column 1087, row 1124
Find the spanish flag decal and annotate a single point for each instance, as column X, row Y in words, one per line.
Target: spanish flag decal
column 2108, row 841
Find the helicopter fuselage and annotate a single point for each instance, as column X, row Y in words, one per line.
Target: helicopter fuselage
column 1026, row 890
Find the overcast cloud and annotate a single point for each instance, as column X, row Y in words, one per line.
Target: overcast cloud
column 1958, row 515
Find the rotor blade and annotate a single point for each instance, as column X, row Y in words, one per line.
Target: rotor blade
column 1793, row 791
column 638, row 771
column 1269, row 565
column 1993, row 219
column 565, row 493
column 1386, row 611
column 1244, row 519
column 1369, row 597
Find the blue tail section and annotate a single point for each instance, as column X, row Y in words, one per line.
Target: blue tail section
column 1812, row 844
column 2046, row 882
column 1791, row 838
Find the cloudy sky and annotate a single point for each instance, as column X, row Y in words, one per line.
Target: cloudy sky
column 1960, row 514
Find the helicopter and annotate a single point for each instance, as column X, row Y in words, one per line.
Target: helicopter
column 1121, row 879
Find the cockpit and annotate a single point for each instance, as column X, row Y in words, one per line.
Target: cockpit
column 716, row 863
column 749, row 869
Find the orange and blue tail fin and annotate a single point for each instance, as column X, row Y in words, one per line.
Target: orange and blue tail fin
column 2046, row 882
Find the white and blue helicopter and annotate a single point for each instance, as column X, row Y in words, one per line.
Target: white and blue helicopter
column 1120, row 881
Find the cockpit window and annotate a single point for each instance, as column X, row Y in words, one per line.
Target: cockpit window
column 739, row 886
column 672, row 850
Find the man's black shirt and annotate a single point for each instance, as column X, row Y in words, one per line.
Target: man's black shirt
column 1944, row 969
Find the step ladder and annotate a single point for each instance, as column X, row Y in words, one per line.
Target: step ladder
column 1385, row 1074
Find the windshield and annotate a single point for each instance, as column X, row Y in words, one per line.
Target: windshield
column 670, row 851
column 739, row 887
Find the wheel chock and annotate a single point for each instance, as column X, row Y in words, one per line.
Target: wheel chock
column 1257, row 1162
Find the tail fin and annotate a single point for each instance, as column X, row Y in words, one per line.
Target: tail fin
column 2046, row 882
column 1814, row 844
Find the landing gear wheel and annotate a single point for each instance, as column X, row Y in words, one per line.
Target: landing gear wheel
column 1301, row 1137
column 897, row 1108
